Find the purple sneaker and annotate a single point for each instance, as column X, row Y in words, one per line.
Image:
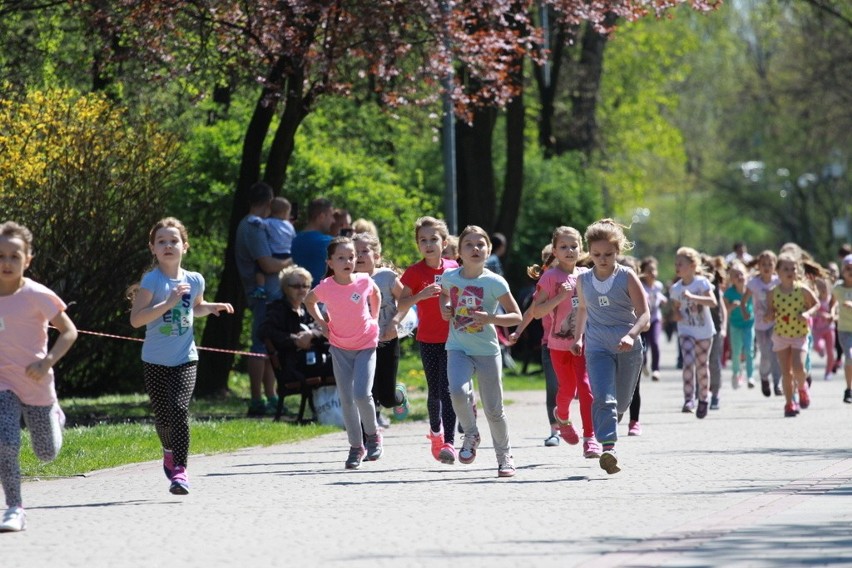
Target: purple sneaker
column 180, row 484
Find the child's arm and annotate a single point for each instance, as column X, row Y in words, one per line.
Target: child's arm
column 640, row 308
column 544, row 305
column 409, row 298
column 141, row 313
column 723, row 319
column 512, row 315
column 744, row 304
column 528, row 317
column 396, row 291
column 446, row 306
column 375, row 301
column 811, row 303
column 311, row 305
column 706, row 298
column 202, row 308
column 580, row 321
column 770, row 307
column 67, row 337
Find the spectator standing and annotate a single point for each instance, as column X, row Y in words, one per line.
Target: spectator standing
column 251, row 250
column 310, row 246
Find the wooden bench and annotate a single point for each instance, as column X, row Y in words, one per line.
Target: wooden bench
column 303, row 387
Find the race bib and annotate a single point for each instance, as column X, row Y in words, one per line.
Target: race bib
column 603, row 301
column 355, row 298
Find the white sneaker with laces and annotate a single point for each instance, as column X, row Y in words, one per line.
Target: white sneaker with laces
column 506, row 467
column 14, row 520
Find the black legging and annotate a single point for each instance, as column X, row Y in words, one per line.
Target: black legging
column 438, row 401
column 384, row 380
column 170, row 390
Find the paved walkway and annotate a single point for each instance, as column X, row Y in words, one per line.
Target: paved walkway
column 744, row 487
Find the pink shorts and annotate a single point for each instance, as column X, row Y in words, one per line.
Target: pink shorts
column 795, row 343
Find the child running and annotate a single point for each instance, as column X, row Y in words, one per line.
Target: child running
column 611, row 314
column 741, row 325
column 656, row 299
column 790, row 305
column 469, row 299
column 27, row 387
column 386, row 391
column 351, row 324
column 823, row 324
column 843, row 296
column 692, row 297
column 422, row 286
column 166, row 301
column 556, row 294
column 757, row 289
column 550, row 382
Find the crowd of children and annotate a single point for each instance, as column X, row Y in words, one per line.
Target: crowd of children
column 602, row 314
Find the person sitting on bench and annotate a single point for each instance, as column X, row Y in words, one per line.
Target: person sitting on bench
column 298, row 350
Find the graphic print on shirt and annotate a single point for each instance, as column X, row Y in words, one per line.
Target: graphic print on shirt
column 569, row 322
column 466, row 302
column 178, row 320
column 694, row 313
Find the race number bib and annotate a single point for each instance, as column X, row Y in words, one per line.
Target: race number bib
column 603, row 301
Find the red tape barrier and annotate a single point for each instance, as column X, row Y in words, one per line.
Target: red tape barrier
column 214, row 349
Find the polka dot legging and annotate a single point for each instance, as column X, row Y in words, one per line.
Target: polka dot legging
column 696, row 367
column 170, row 390
column 45, row 437
column 433, row 356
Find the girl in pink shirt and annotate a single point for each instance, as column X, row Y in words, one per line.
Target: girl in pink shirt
column 351, row 304
column 26, row 366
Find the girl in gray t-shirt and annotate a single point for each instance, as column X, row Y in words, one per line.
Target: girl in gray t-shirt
column 612, row 312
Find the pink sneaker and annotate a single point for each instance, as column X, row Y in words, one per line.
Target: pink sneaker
column 180, row 483
column 447, row 454
column 437, row 440
column 168, row 463
column 566, row 430
column 591, row 448
column 634, row 428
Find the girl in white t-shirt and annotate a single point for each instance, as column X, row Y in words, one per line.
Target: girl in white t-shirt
column 757, row 290
column 692, row 297
column 26, row 366
column 351, row 324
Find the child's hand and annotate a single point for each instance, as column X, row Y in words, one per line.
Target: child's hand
column 216, row 309
column 38, row 370
column 847, row 304
column 513, row 337
column 322, row 326
column 480, row 317
column 565, row 290
column 446, row 312
column 178, row 292
column 626, row 343
column 429, row 291
column 577, row 348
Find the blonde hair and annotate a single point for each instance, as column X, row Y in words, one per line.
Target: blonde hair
column 437, row 224
column 362, row 225
column 452, row 248
column 610, row 231
column 535, row 271
column 13, row 230
column 791, row 257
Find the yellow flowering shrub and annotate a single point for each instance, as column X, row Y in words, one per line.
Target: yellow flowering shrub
column 88, row 180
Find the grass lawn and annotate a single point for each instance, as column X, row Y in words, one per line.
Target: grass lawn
column 114, row 430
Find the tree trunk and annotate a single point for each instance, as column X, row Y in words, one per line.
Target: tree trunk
column 476, row 192
column 296, row 107
column 223, row 332
column 514, row 180
column 548, row 81
column 581, row 133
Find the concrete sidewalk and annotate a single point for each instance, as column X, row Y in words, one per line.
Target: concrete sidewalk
column 743, row 487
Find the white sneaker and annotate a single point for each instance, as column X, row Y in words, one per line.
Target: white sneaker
column 14, row 520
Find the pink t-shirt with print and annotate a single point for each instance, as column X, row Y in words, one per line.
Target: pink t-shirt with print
column 24, row 317
column 560, row 328
column 350, row 324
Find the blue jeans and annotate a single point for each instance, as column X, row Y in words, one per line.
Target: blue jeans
column 613, row 377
